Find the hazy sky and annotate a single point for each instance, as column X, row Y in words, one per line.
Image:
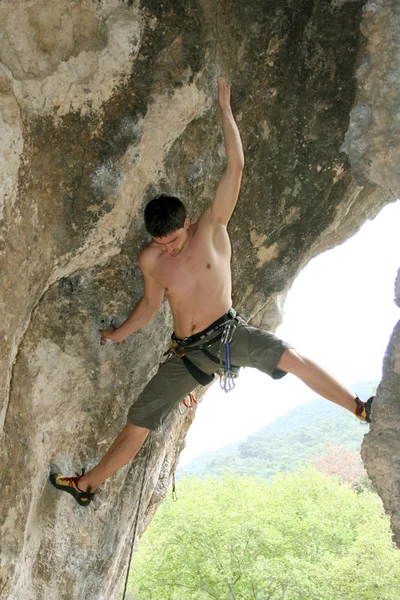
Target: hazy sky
column 340, row 312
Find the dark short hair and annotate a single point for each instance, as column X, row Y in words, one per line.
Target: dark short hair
column 163, row 215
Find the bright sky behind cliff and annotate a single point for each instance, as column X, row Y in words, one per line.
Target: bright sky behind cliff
column 340, row 312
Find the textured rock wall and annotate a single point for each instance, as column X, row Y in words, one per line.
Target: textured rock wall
column 372, row 143
column 380, row 449
column 104, row 104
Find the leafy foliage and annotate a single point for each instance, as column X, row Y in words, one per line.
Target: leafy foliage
column 300, row 536
column 344, row 464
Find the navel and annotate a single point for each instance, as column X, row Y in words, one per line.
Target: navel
column 167, row 289
column 208, row 266
column 193, row 328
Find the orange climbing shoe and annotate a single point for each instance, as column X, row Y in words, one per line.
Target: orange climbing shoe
column 70, row 485
column 363, row 410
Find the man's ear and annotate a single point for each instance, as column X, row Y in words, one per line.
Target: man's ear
column 186, row 223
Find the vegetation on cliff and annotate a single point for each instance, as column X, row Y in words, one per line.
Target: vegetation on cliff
column 301, row 535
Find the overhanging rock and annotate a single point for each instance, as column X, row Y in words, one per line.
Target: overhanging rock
column 104, row 104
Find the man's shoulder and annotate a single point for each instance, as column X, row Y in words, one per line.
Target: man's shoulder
column 149, row 256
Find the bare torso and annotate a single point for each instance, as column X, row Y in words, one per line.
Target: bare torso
column 198, row 280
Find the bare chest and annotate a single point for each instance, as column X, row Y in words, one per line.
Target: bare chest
column 187, row 271
column 199, row 267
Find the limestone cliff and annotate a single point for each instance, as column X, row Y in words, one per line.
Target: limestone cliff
column 380, row 445
column 103, row 104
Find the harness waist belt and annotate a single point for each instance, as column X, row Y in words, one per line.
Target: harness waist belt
column 206, row 333
column 199, row 341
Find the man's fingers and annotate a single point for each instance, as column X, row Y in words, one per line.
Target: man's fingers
column 103, row 339
column 106, row 334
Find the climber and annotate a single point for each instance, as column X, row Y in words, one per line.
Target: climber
column 190, row 263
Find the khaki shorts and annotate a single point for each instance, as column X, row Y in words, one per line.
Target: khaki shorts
column 250, row 347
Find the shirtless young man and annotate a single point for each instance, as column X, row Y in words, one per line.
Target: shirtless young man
column 190, row 262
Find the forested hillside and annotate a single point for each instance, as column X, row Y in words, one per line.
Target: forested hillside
column 287, row 442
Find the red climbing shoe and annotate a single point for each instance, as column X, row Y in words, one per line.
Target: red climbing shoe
column 363, row 410
column 70, row 485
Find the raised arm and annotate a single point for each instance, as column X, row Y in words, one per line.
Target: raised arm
column 145, row 309
column 227, row 191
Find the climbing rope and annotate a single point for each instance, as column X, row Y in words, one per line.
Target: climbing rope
column 149, row 444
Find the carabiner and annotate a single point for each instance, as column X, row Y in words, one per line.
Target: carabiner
column 227, row 381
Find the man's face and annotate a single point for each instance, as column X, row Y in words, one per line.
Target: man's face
column 174, row 242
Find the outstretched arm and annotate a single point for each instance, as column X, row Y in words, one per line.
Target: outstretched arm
column 227, row 191
column 145, row 309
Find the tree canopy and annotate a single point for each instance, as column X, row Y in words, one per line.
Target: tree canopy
column 301, row 536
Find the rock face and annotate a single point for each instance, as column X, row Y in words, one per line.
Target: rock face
column 103, row 105
column 380, row 449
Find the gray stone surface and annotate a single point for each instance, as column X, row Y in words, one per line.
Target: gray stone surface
column 372, row 140
column 104, row 104
column 380, row 449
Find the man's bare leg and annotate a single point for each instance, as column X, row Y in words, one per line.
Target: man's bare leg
column 120, row 453
column 317, row 379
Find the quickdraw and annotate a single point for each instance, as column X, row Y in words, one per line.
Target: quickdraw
column 174, row 495
column 189, row 403
column 226, row 374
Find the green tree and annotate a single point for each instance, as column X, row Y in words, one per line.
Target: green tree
column 303, row 536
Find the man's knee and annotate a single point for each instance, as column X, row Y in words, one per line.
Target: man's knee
column 290, row 361
column 135, row 431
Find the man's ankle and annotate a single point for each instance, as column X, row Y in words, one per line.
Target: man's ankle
column 84, row 483
column 360, row 410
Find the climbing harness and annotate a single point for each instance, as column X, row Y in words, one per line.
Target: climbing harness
column 224, row 328
column 181, row 347
column 149, row 445
column 199, row 375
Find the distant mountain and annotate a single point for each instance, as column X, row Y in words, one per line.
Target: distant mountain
column 288, row 441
